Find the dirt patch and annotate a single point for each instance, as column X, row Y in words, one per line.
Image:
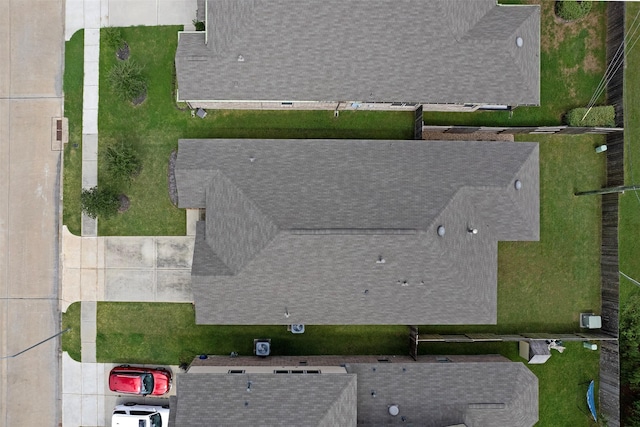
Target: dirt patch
column 555, row 30
column 125, row 203
column 591, row 63
column 140, row 98
column 173, row 187
column 123, row 53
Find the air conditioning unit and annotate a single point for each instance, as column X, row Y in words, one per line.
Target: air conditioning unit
column 262, row 347
column 297, row 329
column 590, row 321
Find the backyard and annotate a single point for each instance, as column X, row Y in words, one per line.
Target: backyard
column 629, row 218
column 542, row 286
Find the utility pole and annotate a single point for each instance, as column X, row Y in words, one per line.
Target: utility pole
column 609, row 190
column 35, row 345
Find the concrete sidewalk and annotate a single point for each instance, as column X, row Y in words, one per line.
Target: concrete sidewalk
column 113, row 269
column 125, row 13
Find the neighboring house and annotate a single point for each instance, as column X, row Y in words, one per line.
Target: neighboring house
column 449, row 55
column 354, row 231
column 351, row 390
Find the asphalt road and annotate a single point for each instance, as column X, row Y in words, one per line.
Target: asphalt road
column 31, row 67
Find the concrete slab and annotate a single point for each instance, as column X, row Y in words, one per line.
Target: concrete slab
column 36, row 48
column 89, row 147
column 173, row 286
column 71, row 375
column 90, row 119
column 74, row 17
column 193, row 216
column 177, row 12
column 89, row 410
column 89, row 352
column 92, row 38
column 125, row 13
column 130, row 252
column 88, row 284
column 129, row 285
column 71, row 249
column 5, row 49
column 89, row 226
column 71, row 290
column 89, row 179
column 92, row 14
column 174, row 252
column 90, row 378
column 71, row 410
column 90, row 252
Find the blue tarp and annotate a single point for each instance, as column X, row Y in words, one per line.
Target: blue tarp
column 591, row 400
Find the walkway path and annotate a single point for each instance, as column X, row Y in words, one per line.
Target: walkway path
column 112, row 268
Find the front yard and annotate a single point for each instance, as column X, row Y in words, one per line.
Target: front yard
column 542, row 286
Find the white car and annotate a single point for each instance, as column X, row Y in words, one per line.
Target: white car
column 139, row 415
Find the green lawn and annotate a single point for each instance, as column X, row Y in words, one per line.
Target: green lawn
column 156, row 125
column 71, row 339
column 572, row 62
column 544, row 285
column 73, row 78
column 167, row 334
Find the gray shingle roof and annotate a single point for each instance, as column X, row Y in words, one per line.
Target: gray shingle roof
column 435, row 395
column 274, row 400
column 427, row 51
column 427, row 394
column 299, row 229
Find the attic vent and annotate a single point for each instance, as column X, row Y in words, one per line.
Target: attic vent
column 441, row 230
column 240, row 58
column 394, row 410
column 518, row 184
column 519, row 41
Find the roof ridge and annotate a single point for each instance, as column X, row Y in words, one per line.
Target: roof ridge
column 237, row 230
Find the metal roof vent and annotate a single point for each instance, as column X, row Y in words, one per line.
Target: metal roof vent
column 518, row 184
column 519, row 41
column 441, row 230
column 394, row 410
column 240, row 58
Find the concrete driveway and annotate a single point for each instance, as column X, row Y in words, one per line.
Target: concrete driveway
column 31, row 63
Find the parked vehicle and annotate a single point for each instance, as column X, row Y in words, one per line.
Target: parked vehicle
column 142, row 381
column 135, row 415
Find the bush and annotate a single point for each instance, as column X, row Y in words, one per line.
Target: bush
column 123, row 162
column 198, row 24
column 126, row 80
column 570, row 10
column 598, row 117
column 99, row 203
column 113, row 37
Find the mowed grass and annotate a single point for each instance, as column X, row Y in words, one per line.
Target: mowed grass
column 71, row 340
column 166, row 333
column 155, row 126
column 572, row 62
column 73, row 79
column 561, row 380
column 544, row 285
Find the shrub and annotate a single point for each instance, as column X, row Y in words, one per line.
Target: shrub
column 127, row 80
column 198, row 24
column 113, row 37
column 570, row 10
column 98, row 202
column 598, row 117
column 123, row 162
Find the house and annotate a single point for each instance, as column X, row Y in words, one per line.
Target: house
column 449, row 55
column 356, row 390
column 354, row 231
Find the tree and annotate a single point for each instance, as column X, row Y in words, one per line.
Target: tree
column 123, row 162
column 126, row 80
column 98, row 202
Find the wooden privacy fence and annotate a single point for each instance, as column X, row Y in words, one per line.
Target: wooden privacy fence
column 539, row 130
